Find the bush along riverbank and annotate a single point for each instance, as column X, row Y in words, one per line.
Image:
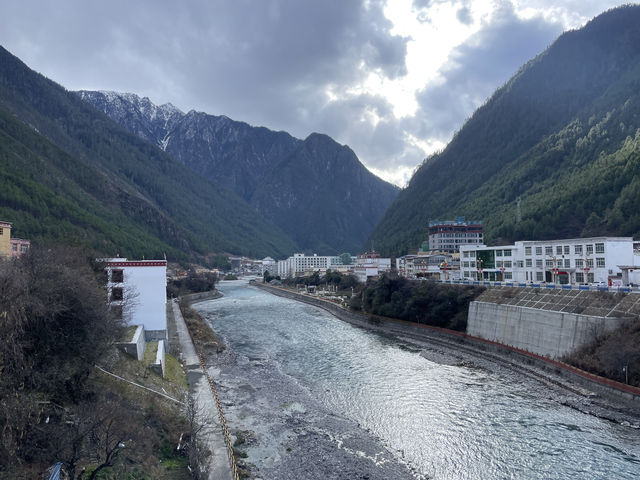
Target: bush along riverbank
column 428, row 303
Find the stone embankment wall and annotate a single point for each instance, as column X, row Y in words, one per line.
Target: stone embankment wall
column 550, row 323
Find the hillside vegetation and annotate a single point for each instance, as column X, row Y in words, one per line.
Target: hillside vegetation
column 55, row 406
column 563, row 135
column 69, row 173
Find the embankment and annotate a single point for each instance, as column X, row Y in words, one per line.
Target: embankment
column 548, row 322
column 527, row 363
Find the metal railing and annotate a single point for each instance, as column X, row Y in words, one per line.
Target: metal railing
column 591, row 288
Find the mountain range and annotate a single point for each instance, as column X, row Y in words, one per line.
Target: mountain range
column 554, row 153
column 69, row 173
column 314, row 190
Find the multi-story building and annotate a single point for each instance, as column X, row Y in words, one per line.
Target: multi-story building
column 370, row 264
column 269, row 265
column 569, row 261
column 5, row 239
column 138, row 290
column 11, row 247
column 449, row 235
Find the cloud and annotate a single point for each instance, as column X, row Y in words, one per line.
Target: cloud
column 475, row 69
column 294, row 65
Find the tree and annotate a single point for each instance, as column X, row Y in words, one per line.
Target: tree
column 56, row 325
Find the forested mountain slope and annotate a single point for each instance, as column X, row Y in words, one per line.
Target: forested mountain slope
column 563, row 135
column 70, row 173
column 318, row 192
column 323, row 196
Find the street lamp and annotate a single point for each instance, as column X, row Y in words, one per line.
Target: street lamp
column 480, row 262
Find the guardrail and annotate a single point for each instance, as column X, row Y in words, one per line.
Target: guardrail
column 541, row 285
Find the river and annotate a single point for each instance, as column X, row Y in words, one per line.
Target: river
column 319, row 399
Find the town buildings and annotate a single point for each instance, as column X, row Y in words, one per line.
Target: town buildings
column 11, row 247
column 567, row 261
column 300, row 264
column 363, row 266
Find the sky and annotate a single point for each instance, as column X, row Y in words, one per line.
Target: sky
column 393, row 80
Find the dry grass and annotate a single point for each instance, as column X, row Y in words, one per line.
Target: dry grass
column 205, row 339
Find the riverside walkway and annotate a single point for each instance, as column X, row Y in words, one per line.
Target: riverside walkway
column 219, row 466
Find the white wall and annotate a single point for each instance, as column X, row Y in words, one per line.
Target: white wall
column 148, row 305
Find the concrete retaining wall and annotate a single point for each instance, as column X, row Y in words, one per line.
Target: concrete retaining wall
column 159, row 365
column 137, row 344
column 201, row 296
column 544, row 332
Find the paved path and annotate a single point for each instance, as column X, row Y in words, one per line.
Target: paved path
column 211, row 433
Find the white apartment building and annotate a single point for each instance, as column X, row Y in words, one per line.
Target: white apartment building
column 138, row 288
column 369, row 265
column 569, row 261
column 300, row 264
column 268, row 264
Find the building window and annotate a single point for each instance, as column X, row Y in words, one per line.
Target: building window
column 508, row 275
column 589, row 249
column 548, row 251
column 559, row 250
column 498, row 253
column 567, row 263
column 507, row 263
column 590, row 262
column 538, row 263
column 507, row 253
column 548, row 263
column 579, row 263
column 590, row 277
column 527, row 251
column 577, row 249
column 23, row 248
column 538, row 250
column 579, row 277
column 600, row 262
column 539, row 276
column 1, row 231
column 567, row 250
column 529, row 262
column 116, row 294
column 599, row 247
column 14, row 247
column 117, row 276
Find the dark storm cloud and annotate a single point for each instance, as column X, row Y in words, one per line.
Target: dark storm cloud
column 264, row 62
column 480, row 65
